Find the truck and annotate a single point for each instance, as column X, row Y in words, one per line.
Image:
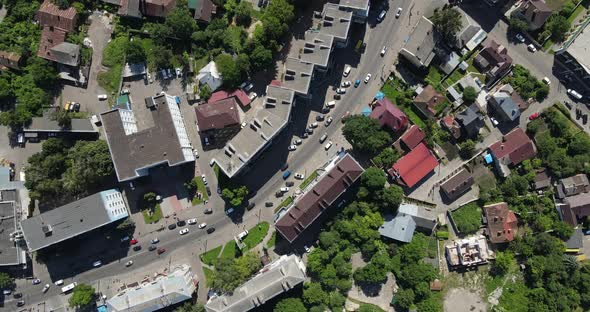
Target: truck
column 68, row 287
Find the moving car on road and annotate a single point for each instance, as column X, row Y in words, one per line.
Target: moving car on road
column 161, row 251
column 328, row 121
column 202, row 225
column 284, row 189
column 183, row 231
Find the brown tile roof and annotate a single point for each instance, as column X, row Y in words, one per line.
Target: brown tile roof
column 314, row 202
column 217, row 115
column 457, row 184
column 158, row 8
column 427, row 100
column 50, row 14
column 49, row 39
column 576, row 207
column 204, row 10
column 502, row 223
column 514, row 148
column 413, row 137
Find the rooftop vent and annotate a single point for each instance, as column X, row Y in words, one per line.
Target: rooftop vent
column 47, row 230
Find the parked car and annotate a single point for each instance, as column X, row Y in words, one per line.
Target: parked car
column 546, row 80
column 309, row 130
column 181, row 223
column 319, row 118
column 284, row 189
column 36, row 281
column 102, row 97
column 191, row 221
column 573, row 93
column 210, row 230
column 125, row 91
column 17, row 295
column 172, row 226
column 306, row 248
column 284, row 167
column 534, row 116
column 59, row 282
column 20, row 303
column 520, row 38
column 367, row 78
column 398, row 13
column 313, row 125
column 46, row 288
column 299, row 176
column 202, row 225
column 289, row 183
column 229, row 211
column 77, row 107
column 133, row 241
column 161, row 251
column 208, row 211
column 286, row 174
column 129, row 263
column 328, row 121
column 532, row 48
column 278, row 194
column 345, row 84
column 183, row 231
column 346, row 71
column 383, row 51
column 242, row 234
column 152, row 248
column 155, row 240
column 327, row 147
column 292, row 147
column 297, row 142
column 494, row 121
column 381, row 16
column 253, row 96
column 268, row 204
column 208, row 190
column 323, row 137
column 340, row 90
column 250, row 205
column 137, row 248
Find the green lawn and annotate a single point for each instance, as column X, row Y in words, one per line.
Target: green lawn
column 230, row 250
column 256, row 235
column 200, row 188
column 272, row 241
column 210, row 256
column 308, row 180
column 434, row 78
column 468, row 218
column 285, row 203
column 514, row 297
column 208, row 274
column 155, row 217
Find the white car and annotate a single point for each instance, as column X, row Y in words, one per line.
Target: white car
column 36, row 281
column 297, row 142
column 313, row 125
column 306, row 248
column 155, row 241
column 96, row 264
column 346, row 71
column 204, row 179
column 299, row 176
column 292, row 147
column 196, row 153
column 178, row 72
column 575, row 94
column 202, row 225
column 253, row 96
column 247, row 86
column 367, row 78
column 183, row 231
column 242, row 235
column 46, row 288
column 102, row 97
column 345, row 84
column 520, row 38
column 328, row 121
column 327, row 147
column 494, row 121
column 340, row 90
column 150, row 78
column 129, row 263
column 125, row 91
column 212, row 163
column 383, row 51
column 59, row 282
column 284, row 189
column 546, row 80
column 398, row 13
column 532, row 48
column 191, row 221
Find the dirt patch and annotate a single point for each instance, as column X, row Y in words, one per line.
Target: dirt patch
column 464, row 300
column 379, row 297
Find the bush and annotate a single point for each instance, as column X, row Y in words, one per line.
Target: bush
column 527, row 85
column 442, row 235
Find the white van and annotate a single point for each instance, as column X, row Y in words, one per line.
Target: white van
column 331, row 104
column 68, row 287
column 573, row 93
column 59, row 283
column 346, row 71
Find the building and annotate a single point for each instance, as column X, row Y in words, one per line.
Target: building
column 210, row 76
column 130, row 8
column 573, row 185
column 162, row 140
column 470, row 37
column 277, row 277
column 221, row 116
column 449, row 60
column 156, row 8
column 387, row 114
column 449, row 123
column 297, row 77
column 202, row 10
column 340, row 175
column 457, row 185
column 542, row 180
column 493, row 60
column 359, row 8
column 501, row 223
column 414, row 166
column 315, row 48
column 44, row 127
column 13, row 199
column 575, row 243
column 575, row 208
column 74, row 219
column 427, row 101
column 155, row 293
column 419, row 47
column 409, row 218
column 512, row 149
column 134, row 70
column 56, row 24
column 268, row 121
column 50, row 15
column 534, row 12
column 9, row 60
column 238, row 95
column 412, row 137
column 573, row 60
column 471, row 121
column 506, row 104
column 468, row 252
column 336, row 23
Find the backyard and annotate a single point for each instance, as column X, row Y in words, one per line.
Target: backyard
column 467, row 218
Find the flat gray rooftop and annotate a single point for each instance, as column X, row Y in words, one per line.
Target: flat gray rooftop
column 267, row 122
column 580, row 48
column 335, row 22
column 45, row 124
column 421, row 42
column 315, row 48
column 297, row 75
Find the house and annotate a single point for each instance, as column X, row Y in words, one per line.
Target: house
column 572, row 58
column 73, row 219
column 210, row 76
column 512, row 149
column 419, row 47
column 409, row 218
column 9, row 60
column 575, row 208
column 542, row 180
column 534, row 12
column 137, row 147
column 457, row 185
column 387, row 114
column 130, row 8
column 202, row 10
column 276, row 278
column 573, row 185
column 468, row 252
column 340, row 175
column 13, row 196
column 412, row 137
column 427, row 101
column 449, row 123
column 220, row 115
column 470, row 37
column 414, row 166
column 238, row 95
column 50, row 15
column 56, row 23
column 134, row 70
column 449, row 60
column 156, row 8
column 359, row 8
column 506, row 104
column 493, row 60
column 501, row 222
column 155, row 292
column 471, row 120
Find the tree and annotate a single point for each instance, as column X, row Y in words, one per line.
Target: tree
column 469, row 94
column 518, row 24
column 373, row 178
column 90, row 164
column 336, row 301
column 558, row 25
column 365, row 134
column 503, row 263
column 229, row 70
column 563, row 230
column 135, row 52
column 313, row 294
column 6, row 281
column 63, row 118
column 226, row 276
column 429, row 305
column 190, row 307
column 205, row 92
column 42, row 72
column 149, row 199
column 447, row 21
column 181, row 23
column 466, row 149
column 235, row 196
column 82, row 296
column 390, row 198
column 191, row 186
column 243, row 13
column 404, row 298
column 386, row 158
column 162, row 57
column 290, row 305
column 370, row 273
column 261, row 58
column 62, row 4
column 276, row 19
column 127, row 226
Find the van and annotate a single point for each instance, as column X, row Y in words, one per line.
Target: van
column 331, row 104
column 323, row 138
column 59, row 283
column 346, row 71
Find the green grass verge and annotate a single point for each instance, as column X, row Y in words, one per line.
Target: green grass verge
column 256, row 235
column 155, row 217
column 467, row 218
column 230, row 250
column 575, row 14
column 208, row 274
column 210, row 256
column 202, row 189
column 110, row 80
column 272, row 241
column 308, row 180
column 285, row 203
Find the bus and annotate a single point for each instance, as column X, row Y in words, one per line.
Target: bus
column 68, row 287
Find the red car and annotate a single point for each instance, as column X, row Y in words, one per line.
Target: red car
column 133, row 241
column 161, row 251
column 534, row 116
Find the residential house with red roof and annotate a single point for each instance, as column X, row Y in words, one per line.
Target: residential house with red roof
column 502, row 224
column 414, row 166
column 387, row 114
column 512, row 149
column 427, row 100
column 218, row 115
column 240, row 96
column 340, row 176
column 412, row 137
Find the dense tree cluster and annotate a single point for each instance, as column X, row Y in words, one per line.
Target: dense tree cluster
column 230, row 273
column 365, row 134
column 235, row 196
column 527, row 85
column 447, row 21
column 82, row 296
column 386, row 158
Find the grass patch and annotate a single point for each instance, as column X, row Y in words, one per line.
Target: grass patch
column 210, row 256
column 434, row 78
column 575, row 14
column 201, row 188
column 467, row 218
column 208, row 275
column 432, row 247
column 285, row 203
column 308, row 180
column 148, row 46
column 110, row 80
column 155, row 217
column 414, row 117
column 272, row 241
column 455, row 76
column 230, row 250
column 200, row 63
column 514, row 297
column 256, row 235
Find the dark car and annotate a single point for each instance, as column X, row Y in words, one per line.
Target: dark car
column 279, row 194
column 250, row 206
column 319, row 118
column 210, row 230
column 152, row 248
column 337, row 96
column 208, row 211
column 181, row 223
column 268, row 204
column 161, row 251
column 289, row 183
column 309, row 130
column 325, row 110
column 208, row 190
column 284, row 166
column 137, row 247
column 172, row 226
column 77, row 107
column 20, row 303
column 17, row 295
column 304, row 135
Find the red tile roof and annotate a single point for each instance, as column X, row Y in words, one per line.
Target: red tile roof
column 413, row 137
column 414, row 166
column 514, row 148
column 388, row 114
column 502, row 223
column 217, row 115
column 240, row 95
column 50, row 14
column 314, row 202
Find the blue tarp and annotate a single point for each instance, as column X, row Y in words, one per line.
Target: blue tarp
column 379, row 95
column 102, row 308
column 367, row 111
column 488, row 158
